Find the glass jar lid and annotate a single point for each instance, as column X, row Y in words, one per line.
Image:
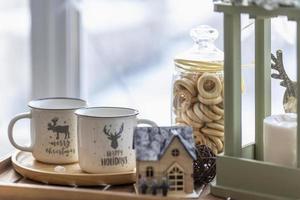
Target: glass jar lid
column 204, row 55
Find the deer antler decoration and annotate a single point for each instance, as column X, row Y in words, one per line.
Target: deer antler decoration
column 106, row 131
column 290, row 94
column 120, row 131
column 113, row 137
column 55, row 119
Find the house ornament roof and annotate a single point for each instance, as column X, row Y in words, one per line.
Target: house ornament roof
column 152, row 142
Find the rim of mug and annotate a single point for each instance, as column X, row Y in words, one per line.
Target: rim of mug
column 49, row 98
column 135, row 112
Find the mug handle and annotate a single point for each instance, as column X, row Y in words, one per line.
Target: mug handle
column 146, row 121
column 10, row 131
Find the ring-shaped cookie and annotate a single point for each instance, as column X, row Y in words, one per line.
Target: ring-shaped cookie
column 215, row 150
column 213, row 132
column 194, row 100
column 215, row 91
column 221, row 105
column 200, row 135
column 213, row 101
column 222, row 139
column 198, row 138
column 190, row 113
column 200, row 114
column 208, row 143
column 182, row 100
column 190, row 121
column 197, row 141
column 216, row 126
column 186, row 84
column 216, row 109
column 221, row 121
column 211, row 145
column 193, row 77
column 217, row 142
column 210, row 114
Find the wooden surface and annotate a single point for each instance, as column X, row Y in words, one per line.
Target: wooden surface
column 27, row 166
column 13, row 186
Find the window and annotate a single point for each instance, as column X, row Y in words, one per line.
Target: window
column 175, row 152
column 15, row 68
column 128, row 47
column 149, row 172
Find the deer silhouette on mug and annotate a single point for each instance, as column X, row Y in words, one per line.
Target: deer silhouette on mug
column 58, row 129
column 113, row 136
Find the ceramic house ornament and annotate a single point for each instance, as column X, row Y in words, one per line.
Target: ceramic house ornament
column 165, row 157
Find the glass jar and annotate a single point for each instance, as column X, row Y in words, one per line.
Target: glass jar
column 197, row 97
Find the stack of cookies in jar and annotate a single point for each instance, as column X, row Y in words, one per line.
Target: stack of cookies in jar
column 198, row 102
column 198, row 89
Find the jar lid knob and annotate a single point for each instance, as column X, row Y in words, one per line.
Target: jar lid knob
column 204, row 33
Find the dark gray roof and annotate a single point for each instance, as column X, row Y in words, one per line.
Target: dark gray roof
column 152, row 142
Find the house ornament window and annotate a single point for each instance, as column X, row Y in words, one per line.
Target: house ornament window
column 175, row 152
column 149, row 172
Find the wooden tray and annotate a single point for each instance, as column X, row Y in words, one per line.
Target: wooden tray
column 13, row 186
column 25, row 164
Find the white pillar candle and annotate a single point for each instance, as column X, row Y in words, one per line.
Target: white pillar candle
column 280, row 139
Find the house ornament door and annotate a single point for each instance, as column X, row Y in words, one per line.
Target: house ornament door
column 176, row 178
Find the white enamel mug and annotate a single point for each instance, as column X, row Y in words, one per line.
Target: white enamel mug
column 105, row 137
column 53, row 129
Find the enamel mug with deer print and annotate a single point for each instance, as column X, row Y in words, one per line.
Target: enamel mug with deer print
column 53, row 130
column 105, row 139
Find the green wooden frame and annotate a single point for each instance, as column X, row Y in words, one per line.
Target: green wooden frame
column 241, row 172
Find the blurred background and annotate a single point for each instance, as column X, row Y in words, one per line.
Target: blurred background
column 120, row 53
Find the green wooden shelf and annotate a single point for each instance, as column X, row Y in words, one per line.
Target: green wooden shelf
column 241, row 171
column 254, row 11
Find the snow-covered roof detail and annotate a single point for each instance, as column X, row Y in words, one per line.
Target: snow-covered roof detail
column 152, row 142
